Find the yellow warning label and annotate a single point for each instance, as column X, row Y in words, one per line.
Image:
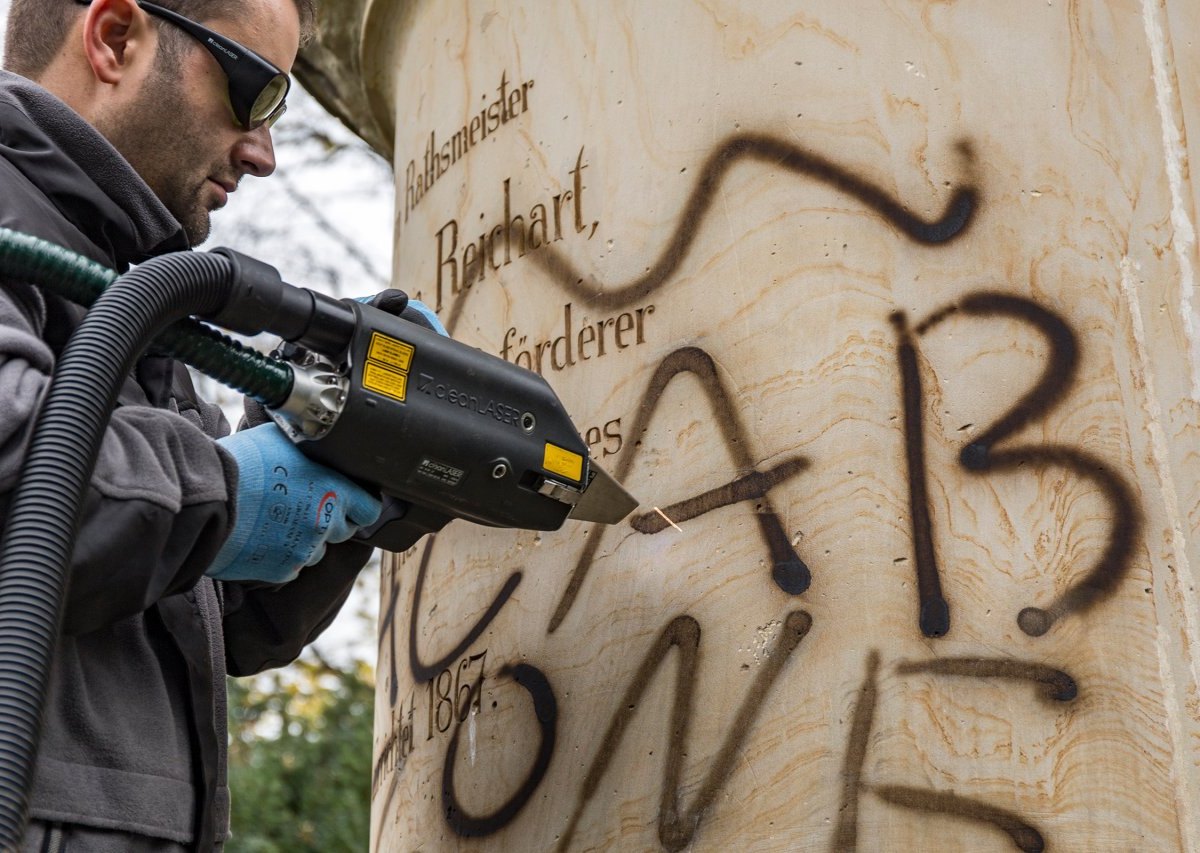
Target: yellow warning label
column 382, row 380
column 563, row 462
column 390, row 351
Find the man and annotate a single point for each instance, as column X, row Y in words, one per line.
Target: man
column 125, row 124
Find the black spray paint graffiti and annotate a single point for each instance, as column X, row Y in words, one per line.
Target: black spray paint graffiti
column 545, row 708
column 1055, row 685
column 421, row 671
column 677, row 827
column 981, row 457
column 763, row 150
column 788, row 571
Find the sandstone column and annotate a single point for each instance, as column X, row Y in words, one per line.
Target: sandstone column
column 886, row 312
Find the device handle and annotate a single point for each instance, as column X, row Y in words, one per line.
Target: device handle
column 400, row 525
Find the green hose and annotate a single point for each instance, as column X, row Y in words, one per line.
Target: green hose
column 82, row 280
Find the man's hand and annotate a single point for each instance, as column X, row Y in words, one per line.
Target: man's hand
column 288, row 509
column 397, row 303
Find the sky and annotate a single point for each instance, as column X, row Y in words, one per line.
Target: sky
column 324, row 219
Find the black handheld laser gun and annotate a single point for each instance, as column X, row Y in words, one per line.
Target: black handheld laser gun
column 442, row 430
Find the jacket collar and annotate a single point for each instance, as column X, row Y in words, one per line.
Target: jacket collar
column 82, row 175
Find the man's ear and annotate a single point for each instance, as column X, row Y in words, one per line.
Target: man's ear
column 116, row 35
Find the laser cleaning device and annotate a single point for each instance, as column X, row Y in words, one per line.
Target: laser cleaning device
column 442, row 430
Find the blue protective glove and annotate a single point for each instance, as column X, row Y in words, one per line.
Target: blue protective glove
column 427, row 312
column 288, row 509
column 397, row 302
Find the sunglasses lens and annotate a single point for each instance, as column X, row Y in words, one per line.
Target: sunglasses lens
column 276, row 115
column 267, row 104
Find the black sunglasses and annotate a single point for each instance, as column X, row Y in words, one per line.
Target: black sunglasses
column 257, row 89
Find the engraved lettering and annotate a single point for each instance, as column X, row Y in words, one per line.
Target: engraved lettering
column 511, row 239
column 574, row 343
column 436, row 161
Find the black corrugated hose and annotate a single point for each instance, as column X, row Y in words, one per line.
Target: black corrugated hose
column 29, row 259
column 44, row 512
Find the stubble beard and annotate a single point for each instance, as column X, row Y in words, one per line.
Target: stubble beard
column 162, row 139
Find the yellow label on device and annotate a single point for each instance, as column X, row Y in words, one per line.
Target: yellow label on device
column 382, row 380
column 390, row 351
column 563, row 462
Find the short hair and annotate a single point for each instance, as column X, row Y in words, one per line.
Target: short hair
column 37, row 29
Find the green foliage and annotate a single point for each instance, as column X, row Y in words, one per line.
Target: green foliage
column 300, row 759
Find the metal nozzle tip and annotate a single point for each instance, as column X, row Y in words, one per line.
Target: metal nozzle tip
column 604, row 501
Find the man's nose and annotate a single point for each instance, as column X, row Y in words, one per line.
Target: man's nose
column 254, row 153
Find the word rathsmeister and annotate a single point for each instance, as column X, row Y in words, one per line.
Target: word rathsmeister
column 418, row 179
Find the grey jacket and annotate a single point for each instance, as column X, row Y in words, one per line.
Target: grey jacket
column 134, row 734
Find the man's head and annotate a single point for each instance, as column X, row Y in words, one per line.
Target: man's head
column 152, row 85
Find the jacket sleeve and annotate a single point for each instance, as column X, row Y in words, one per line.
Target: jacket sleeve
column 160, row 502
column 268, row 626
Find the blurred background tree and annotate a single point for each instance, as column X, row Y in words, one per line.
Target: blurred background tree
column 300, row 755
column 300, row 737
